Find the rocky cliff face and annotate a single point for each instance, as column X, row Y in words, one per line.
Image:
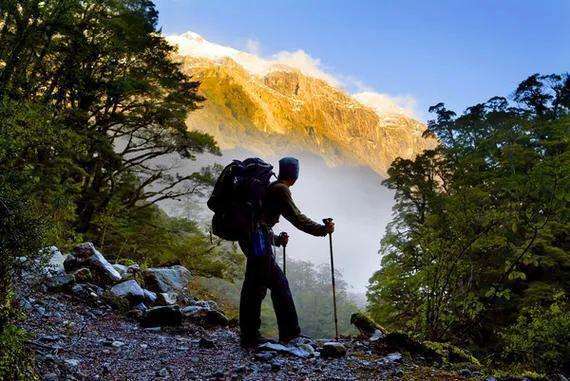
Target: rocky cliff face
column 284, row 112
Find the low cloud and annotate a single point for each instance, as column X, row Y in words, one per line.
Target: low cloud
column 192, row 44
column 306, row 64
column 385, row 104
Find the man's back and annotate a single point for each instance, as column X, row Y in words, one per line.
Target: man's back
column 278, row 202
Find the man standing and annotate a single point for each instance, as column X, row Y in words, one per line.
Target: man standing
column 262, row 272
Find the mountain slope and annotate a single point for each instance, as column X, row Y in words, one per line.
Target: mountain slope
column 282, row 110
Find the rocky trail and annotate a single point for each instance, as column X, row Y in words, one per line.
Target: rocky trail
column 91, row 320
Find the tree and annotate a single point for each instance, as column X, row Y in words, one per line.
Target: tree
column 481, row 227
column 107, row 75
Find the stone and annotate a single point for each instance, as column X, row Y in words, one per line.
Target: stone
column 287, row 349
column 167, row 279
column 308, row 348
column 117, row 344
column 206, row 343
column 55, row 260
column 60, row 282
column 50, row 377
column 133, row 269
column 366, row 326
column 72, row 263
column 377, row 335
column 264, row 356
column 72, row 363
column 165, row 298
column 151, row 297
column 163, row 372
column 277, row 364
column 333, row 349
column 121, row 269
column 162, row 316
column 205, row 316
column 205, row 304
column 392, row 357
column 86, row 255
column 103, row 271
column 83, row 275
column 129, row 290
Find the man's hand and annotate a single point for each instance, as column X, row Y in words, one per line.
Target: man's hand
column 282, row 239
column 329, row 225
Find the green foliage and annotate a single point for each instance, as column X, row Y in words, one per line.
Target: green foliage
column 14, row 357
column 101, row 71
column 540, row 337
column 481, row 226
column 149, row 236
column 21, row 234
column 312, row 292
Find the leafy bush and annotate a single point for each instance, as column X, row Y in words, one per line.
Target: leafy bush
column 540, row 337
column 21, row 234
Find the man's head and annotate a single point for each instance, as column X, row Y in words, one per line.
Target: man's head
column 288, row 170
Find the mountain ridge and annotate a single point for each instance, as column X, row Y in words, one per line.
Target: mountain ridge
column 281, row 110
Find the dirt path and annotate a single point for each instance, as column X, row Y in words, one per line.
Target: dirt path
column 77, row 341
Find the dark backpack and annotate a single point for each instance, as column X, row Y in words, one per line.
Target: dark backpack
column 237, row 197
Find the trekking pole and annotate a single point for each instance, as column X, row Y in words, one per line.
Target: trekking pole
column 285, row 257
column 327, row 221
column 284, row 262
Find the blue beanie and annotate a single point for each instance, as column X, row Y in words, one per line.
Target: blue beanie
column 289, row 168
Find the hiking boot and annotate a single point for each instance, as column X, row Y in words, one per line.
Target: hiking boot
column 299, row 339
column 253, row 341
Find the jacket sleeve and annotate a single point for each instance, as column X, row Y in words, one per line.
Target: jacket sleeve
column 290, row 211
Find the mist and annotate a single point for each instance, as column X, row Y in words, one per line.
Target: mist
column 352, row 195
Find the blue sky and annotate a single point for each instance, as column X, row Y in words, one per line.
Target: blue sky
column 459, row 52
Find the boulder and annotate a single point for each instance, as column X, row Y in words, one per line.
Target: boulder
column 205, row 316
column 86, row 255
column 129, row 290
column 121, row 269
column 150, row 297
column 87, row 292
column 133, row 269
column 333, row 349
column 167, row 279
column 367, row 327
column 60, row 282
column 162, row 316
column 83, row 275
column 165, row 298
column 72, row 263
column 55, row 260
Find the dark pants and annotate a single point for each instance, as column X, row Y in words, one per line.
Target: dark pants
column 262, row 273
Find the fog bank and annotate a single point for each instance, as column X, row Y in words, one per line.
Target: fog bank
column 352, row 195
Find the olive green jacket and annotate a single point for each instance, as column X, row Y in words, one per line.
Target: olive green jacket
column 278, row 202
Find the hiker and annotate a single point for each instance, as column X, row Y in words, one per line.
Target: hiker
column 262, row 272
